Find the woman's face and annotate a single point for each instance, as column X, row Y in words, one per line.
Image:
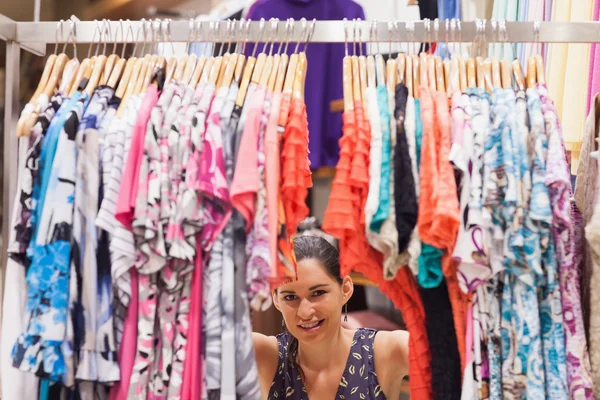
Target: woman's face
column 312, row 305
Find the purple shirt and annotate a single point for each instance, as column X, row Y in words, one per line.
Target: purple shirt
column 324, row 75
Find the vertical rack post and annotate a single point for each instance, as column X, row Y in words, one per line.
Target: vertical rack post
column 11, row 116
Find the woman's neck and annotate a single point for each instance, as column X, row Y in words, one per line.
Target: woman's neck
column 329, row 352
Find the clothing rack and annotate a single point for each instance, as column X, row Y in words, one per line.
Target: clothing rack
column 34, row 36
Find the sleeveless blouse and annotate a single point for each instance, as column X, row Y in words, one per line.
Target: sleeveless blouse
column 359, row 379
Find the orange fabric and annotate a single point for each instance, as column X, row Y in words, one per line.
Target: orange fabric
column 345, row 219
column 295, row 171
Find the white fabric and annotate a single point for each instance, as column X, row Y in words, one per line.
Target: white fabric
column 17, row 385
column 375, row 163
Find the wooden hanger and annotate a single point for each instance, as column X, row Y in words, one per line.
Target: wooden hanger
column 496, row 79
column 402, row 65
column 48, row 67
column 55, row 75
column 408, row 76
column 439, row 74
column 170, row 69
column 215, row 70
column 390, row 75
column 131, row 84
column 109, row 65
column 198, row 70
column 96, row 74
column 357, row 91
column 416, row 61
column 180, row 66
column 431, row 79
column 363, row 80
column 188, row 69
column 380, row 69
column 298, row 86
column 116, row 73
column 454, row 75
column 347, row 79
column 371, row 72
column 518, row 74
column 267, row 70
column 462, row 74
column 247, row 75
column 123, row 83
column 152, row 64
column 479, row 72
column 505, row 74
column 540, row 70
column 207, row 69
column 446, row 64
column 487, row 75
column 471, row 73
column 531, row 73
column 283, row 62
column 423, row 69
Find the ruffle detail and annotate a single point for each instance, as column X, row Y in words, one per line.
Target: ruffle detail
column 98, row 366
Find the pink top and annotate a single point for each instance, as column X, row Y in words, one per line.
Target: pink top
column 130, row 180
column 192, row 371
column 594, row 75
column 272, row 168
column 245, row 182
column 128, row 344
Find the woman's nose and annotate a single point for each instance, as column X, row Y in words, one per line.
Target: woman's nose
column 305, row 310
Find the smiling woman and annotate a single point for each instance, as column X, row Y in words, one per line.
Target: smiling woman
column 316, row 357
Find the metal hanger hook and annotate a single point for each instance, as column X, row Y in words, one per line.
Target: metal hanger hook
column 310, row 32
column 59, row 25
column 345, row 36
column 303, row 30
column 97, row 31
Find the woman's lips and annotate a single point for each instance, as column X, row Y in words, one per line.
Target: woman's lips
column 311, row 327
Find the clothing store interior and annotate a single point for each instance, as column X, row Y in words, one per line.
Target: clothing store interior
column 324, row 199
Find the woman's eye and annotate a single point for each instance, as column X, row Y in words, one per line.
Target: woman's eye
column 319, row 293
column 290, row 297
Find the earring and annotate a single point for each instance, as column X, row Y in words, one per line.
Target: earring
column 346, row 312
column 283, row 326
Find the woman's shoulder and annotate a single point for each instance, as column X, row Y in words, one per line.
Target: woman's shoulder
column 264, row 344
column 391, row 350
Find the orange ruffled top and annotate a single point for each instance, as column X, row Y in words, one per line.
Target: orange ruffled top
column 295, row 167
column 345, row 220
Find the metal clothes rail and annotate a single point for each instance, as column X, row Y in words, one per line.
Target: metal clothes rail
column 34, row 36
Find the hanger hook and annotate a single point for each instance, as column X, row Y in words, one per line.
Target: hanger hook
column 303, row 25
column 536, row 36
column 310, row 32
column 354, row 40
column 269, row 35
column 119, row 29
column 436, row 30
column 453, row 34
column 96, row 31
column 59, row 25
column 239, row 35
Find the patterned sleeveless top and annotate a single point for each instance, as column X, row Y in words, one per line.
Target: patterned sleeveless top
column 359, row 380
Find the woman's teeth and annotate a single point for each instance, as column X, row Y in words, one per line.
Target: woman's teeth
column 308, row 326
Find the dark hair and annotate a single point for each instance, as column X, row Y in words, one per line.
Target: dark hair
column 319, row 249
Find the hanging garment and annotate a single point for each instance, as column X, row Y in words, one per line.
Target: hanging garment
column 559, row 184
column 325, row 127
column 97, row 348
column 566, row 75
column 410, row 127
column 18, row 384
column 40, row 349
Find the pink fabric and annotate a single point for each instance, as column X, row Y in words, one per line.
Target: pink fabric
column 594, row 76
column 192, row 371
column 245, row 183
column 128, row 345
column 272, row 168
column 129, row 182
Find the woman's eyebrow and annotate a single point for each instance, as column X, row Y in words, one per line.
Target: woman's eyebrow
column 287, row 291
column 318, row 286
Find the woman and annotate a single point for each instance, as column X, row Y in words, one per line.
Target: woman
column 316, row 358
